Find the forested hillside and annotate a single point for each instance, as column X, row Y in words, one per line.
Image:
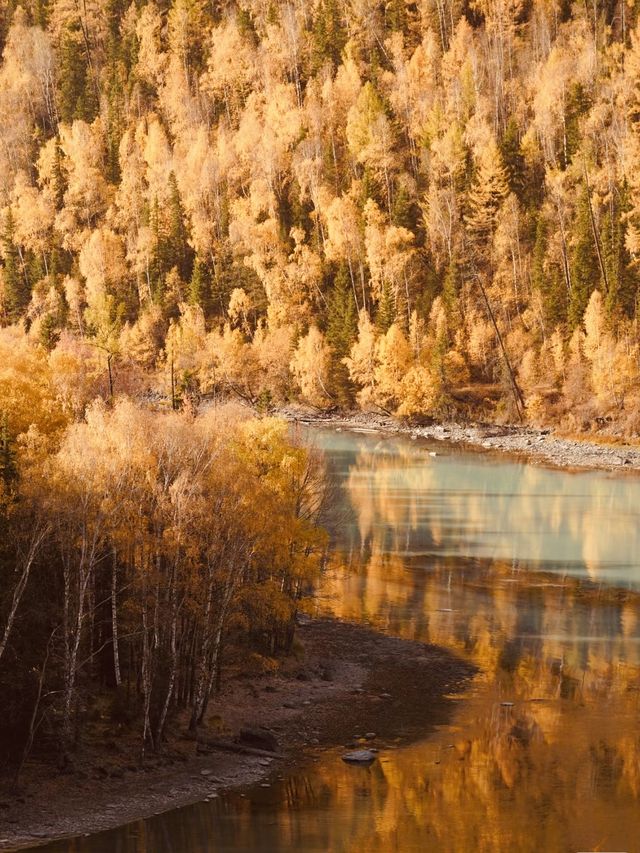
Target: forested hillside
column 429, row 207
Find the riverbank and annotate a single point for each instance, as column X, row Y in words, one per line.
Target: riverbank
column 540, row 446
column 344, row 680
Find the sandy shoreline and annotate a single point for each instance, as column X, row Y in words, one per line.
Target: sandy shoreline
column 348, row 680
column 539, row 446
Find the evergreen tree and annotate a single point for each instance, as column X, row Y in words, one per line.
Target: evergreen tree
column 342, row 324
column 451, row 287
column 115, row 122
column 329, row 35
column 342, row 327
column 77, row 98
column 386, row 313
column 548, row 277
column 16, row 288
column 403, row 212
column 395, row 15
column 622, row 293
column 49, row 332
column 59, row 182
column 159, row 256
column 513, row 159
column 584, row 260
column 40, row 13
column 246, row 26
column 180, row 253
column 8, row 467
column 198, row 290
column 577, row 105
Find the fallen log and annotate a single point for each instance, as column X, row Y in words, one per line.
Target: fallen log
column 233, row 746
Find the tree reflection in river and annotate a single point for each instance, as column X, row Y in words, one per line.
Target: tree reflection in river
column 533, row 575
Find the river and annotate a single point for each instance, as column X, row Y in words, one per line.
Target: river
column 533, row 575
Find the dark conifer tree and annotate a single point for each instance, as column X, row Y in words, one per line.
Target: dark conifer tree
column 386, row 313
column 342, row 327
column 548, row 277
column 329, row 35
column 621, row 281
column 180, row 253
column 584, row 260
column 77, row 96
column 16, row 286
column 8, row 467
column 198, row 290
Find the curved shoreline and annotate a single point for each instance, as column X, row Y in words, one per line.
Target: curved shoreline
column 537, row 446
column 352, row 679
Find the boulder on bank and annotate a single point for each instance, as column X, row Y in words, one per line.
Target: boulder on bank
column 259, row 738
column 359, row 756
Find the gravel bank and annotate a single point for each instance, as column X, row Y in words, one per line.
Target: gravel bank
column 538, row 446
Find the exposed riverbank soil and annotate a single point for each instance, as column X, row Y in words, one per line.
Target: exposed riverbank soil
column 538, row 446
column 345, row 680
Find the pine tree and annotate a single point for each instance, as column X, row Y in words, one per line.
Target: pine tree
column 513, row 160
column 59, row 177
column 198, row 291
column 622, row 293
column 49, row 332
column 395, row 14
column 246, row 26
column 180, row 253
column 158, row 262
column 16, row 289
column 329, row 35
column 342, row 317
column 403, row 212
column 577, row 105
column 584, row 261
column 115, row 123
column 8, row 467
column 342, row 327
column 386, row 314
column 40, row 13
column 547, row 277
column 451, row 287
column 77, row 98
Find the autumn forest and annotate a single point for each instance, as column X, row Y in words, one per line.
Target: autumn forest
column 208, row 210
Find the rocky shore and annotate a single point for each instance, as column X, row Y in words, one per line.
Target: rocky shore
column 536, row 445
column 345, row 680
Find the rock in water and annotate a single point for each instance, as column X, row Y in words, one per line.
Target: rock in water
column 359, row 756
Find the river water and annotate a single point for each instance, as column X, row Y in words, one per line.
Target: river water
column 533, row 575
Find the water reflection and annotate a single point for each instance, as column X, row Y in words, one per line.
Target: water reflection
column 415, row 504
column 530, row 573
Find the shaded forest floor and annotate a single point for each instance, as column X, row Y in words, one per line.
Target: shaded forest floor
column 345, row 680
column 539, row 446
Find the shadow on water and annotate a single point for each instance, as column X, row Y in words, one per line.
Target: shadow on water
column 533, row 575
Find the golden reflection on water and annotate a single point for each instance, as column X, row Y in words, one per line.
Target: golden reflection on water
column 472, row 505
column 531, row 574
column 559, row 769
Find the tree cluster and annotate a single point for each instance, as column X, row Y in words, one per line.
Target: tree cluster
column 138, row 546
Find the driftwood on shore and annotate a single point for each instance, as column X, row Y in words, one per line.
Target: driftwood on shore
column 233, row 746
